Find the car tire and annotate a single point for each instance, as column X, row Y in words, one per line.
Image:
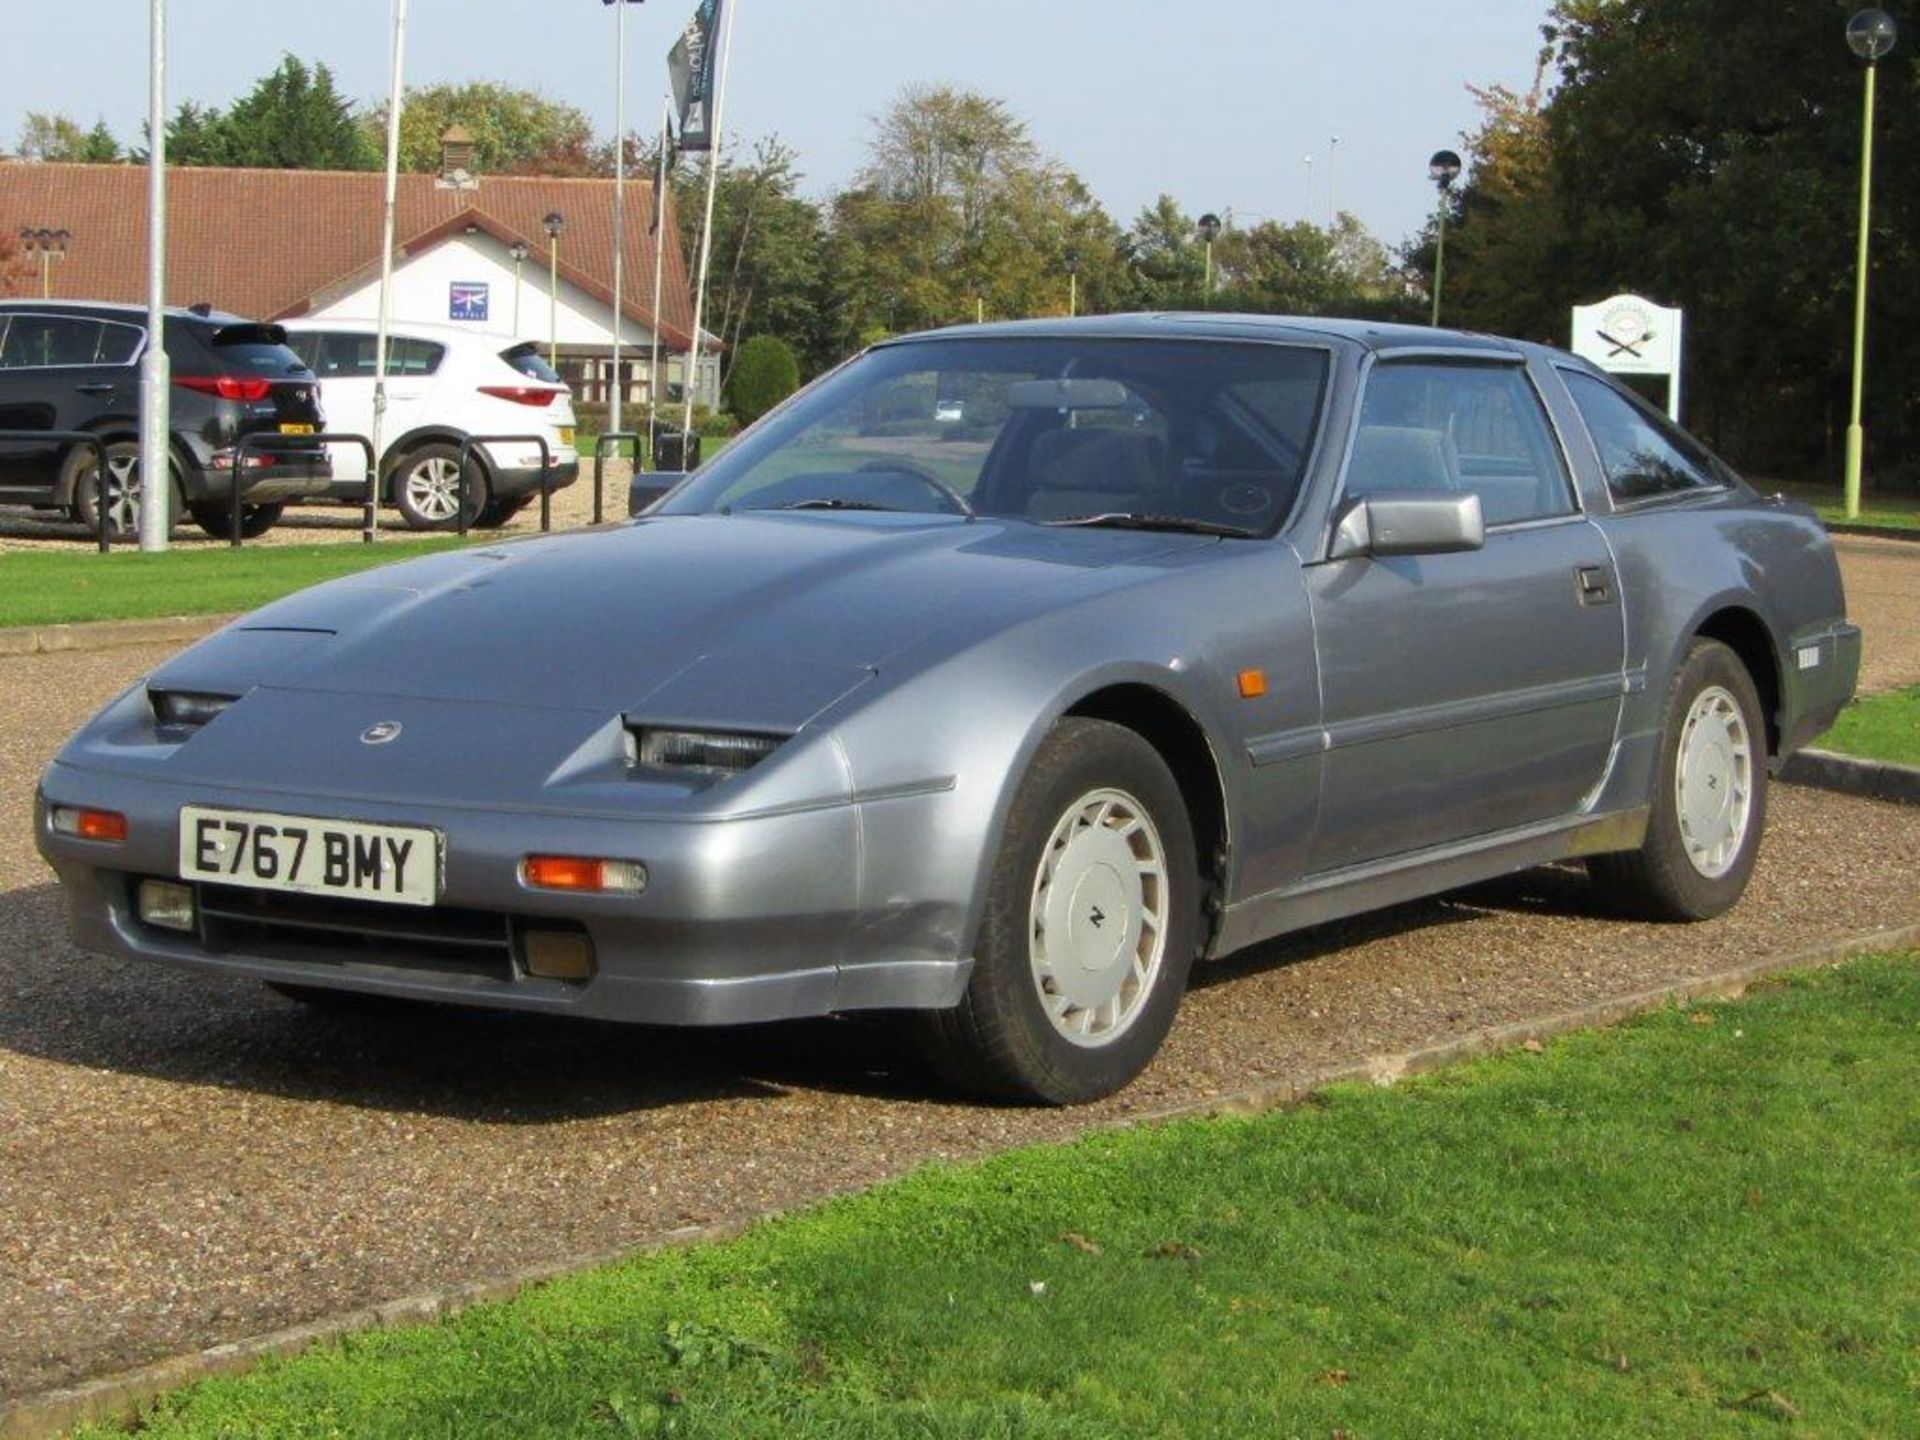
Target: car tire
column 425, row 487
column 496, row 513
column 1099, row 852
column 82, row 482
column 1710, row 797
column 216, row 518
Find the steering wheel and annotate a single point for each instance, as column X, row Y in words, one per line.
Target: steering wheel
column 955, row 500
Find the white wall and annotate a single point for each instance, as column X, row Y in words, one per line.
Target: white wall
column 420, row 294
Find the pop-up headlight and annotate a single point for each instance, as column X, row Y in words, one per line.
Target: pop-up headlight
column 180, row 712
column 712, row 752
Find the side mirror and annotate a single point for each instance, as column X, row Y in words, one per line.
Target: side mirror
column 1409, row 522
column 650, row 487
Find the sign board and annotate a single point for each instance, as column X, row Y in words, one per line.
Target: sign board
column 467, row 300
column 1631, row 335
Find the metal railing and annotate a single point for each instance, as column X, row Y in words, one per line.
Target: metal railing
column 615, row 438
column 74, row 438
column 546, row 475
column 273, row 444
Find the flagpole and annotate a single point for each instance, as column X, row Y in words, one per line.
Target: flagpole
column 659, row 268
column 396, row 99
column 156, row 486
column 706, row 228
column 619, row 198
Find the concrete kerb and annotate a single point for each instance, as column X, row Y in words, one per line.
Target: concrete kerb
column 106, row 634
column 1873, row 779
column 126, row 1395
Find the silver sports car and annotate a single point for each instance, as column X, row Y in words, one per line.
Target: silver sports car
column 995, row 678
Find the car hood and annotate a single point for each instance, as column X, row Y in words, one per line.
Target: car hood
column 746, row 619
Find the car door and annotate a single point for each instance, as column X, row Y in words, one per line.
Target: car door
column 58, row 372
column 1474, row 692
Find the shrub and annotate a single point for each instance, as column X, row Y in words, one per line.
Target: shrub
column 765, row 372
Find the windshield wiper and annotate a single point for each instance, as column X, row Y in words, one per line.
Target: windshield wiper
column 829, row 503
column 1139, row 520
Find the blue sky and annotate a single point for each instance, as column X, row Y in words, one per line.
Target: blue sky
column 1216, row 102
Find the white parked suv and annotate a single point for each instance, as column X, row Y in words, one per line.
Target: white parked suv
column 444, row 384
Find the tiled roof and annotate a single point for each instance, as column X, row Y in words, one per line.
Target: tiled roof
column 270, row 243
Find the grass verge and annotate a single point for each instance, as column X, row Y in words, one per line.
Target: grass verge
column 1879, row 727
column 39, row 588
column 1703, row 1223
column 1897, row 512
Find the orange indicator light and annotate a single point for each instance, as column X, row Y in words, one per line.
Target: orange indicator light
column 1253, row 684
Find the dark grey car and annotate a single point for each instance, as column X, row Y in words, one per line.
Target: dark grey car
column 997, row 677
column 75, row 365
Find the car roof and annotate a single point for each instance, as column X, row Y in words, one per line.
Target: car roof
column 425, row 329
column 119, row 310
column 1374, row 335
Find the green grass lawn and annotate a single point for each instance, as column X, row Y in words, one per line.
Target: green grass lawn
column 1879, row 727
column 1899, row 512
column 1703, row 1223
column 46, row 588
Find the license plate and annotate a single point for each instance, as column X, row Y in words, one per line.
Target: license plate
column 296, row 429
column 566, row 434
column 397, row 864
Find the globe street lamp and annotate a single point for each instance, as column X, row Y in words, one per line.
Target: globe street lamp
column 1443, row 169
column 518, row 252
column 1870, row 35
column 1209, row 232
column 554, row 222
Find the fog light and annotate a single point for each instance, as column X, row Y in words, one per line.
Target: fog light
column 105, row 825
column 575, row 872
column 166, row 905
column 558, row 954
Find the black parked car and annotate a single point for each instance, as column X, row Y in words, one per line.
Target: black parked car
column 75, row 365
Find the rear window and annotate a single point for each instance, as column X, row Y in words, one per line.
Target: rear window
column 528, row 360
column 256, row 350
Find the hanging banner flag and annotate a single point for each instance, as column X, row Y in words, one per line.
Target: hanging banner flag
column 666, row 168
column 690, row 67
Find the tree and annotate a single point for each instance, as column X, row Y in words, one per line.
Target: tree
column 59, row 138
column 292, row 119
column 765, row 372
column 515, row 131
column 1705, row 152
column 767, row 244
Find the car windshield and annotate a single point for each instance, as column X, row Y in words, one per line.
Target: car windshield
column 1146, row 433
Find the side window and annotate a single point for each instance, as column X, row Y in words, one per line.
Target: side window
column 306, row 345
column 120, row 343
column 413, row 357
column 1477, row 429
column 345, row 356
column 34, row 341
column 1641, row 454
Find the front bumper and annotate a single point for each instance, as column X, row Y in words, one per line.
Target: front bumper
column 743, row 920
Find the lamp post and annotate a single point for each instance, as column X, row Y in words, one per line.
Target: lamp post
column 1209, row 232
column 554, row 222
column 156, row 372
column 1443, row 169
column 1871, row 35
column 619, row 192
column 1333, row 183
column 48, row 244
column 1073, row 280
column 518, row 252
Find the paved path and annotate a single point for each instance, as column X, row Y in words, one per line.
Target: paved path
column 1883, row 598
column 183, row 1162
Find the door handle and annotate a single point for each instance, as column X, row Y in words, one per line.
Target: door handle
column 1596, row 584
column 95, row 387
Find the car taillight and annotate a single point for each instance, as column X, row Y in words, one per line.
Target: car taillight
column 227, row 387
column 541, row 395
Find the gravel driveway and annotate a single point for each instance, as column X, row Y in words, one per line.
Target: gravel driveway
column 184, row 1162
